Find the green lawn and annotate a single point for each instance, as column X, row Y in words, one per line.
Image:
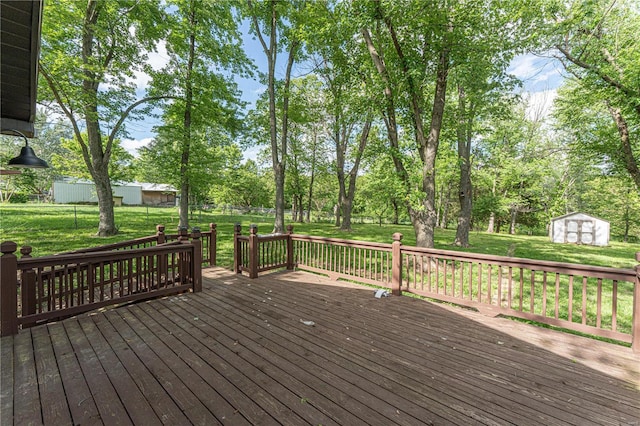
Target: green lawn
column 55, row 228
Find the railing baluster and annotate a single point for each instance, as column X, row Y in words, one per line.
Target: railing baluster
column 584, row 300
column 544, row 293
column 614, row 307
column 499, row 304
column 479, row 282
column 599, row 304
column 489, row 285
column 570, row 302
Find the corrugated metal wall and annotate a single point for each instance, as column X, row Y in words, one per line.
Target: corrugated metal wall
column 77, row 192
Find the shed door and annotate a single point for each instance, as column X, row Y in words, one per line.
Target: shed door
column 580, row 231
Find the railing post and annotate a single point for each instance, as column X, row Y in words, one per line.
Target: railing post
column 8, row 289
column 28, row 286
column 163, row 261
column 183, row 264
column 183, row 233
column 197, row 259
column 237, row 256
column 289, row 247
column 253, row 251
column 396, row 264
column 635, row 329
column 213, row 243
column 160, row 238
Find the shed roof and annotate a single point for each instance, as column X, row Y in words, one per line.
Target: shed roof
column 156, row 187
column 20, row 25
column 577, row 213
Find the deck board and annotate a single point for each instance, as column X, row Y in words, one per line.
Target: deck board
column 26, row 396
column 81, row 406
column 6, row 377
column 54, row 401
column 238, row 353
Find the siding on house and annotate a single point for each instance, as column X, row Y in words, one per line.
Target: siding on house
column 83, row 192
column 69, row 190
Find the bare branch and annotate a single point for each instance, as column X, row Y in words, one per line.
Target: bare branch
column 67, row 112
column 123, row 117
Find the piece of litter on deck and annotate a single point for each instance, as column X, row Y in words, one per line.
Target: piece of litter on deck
column 381, row 293
column 310, row 323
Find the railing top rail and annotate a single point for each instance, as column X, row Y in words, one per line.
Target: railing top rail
column 60, row 259
column 107, row 247
column 338, row 241
column 174, row 235
column 537, row 265
column 273, row 237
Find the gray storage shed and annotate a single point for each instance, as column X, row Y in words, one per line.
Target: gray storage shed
column 579, row 228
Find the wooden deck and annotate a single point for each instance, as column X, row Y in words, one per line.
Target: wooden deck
column 239, row 353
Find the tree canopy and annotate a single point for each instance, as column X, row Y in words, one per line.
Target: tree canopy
column 403, row 110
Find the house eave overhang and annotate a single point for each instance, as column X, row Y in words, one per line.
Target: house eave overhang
column 20, row 30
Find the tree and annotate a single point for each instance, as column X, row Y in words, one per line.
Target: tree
column 90, row 53
column 279, row 23
column 161, row 161
column 414, row 54
column 241, row 185
column 70, row 162
column 597, row 43
column 203, row 41
column 338, row 60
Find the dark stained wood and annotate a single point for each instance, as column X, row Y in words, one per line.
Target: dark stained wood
column 26, row 402
column 6, row 377
column 81, row 405
column 54, row 402
column 239, row 352
column 110, row 407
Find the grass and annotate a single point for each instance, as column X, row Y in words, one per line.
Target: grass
column 54, row 228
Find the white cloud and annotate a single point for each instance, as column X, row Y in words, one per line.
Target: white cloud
column 132, row 145
column 157, row 60
column 539, row 104
column 538, row 73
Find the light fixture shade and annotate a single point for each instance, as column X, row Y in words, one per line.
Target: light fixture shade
column 28, row 159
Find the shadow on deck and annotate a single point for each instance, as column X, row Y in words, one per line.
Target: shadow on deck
column 242, row 352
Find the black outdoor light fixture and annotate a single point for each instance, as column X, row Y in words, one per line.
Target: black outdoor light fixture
column 27, row 158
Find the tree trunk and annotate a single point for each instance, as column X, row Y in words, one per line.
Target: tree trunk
column 106, row 224
column 626, row 152
column 396, row 216
column 279, row 181
column 514, row 217
column 492, row 220
column 313, row 174
column 347, row 194
column 444, row 219
column 347, row 205
column 186, row 143
column 492, row 215
column 464, row 156
column 301, row 213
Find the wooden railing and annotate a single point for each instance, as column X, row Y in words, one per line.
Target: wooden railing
column 594, row 300
column 36, row 290
column 208, row 238
column 259, row 253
